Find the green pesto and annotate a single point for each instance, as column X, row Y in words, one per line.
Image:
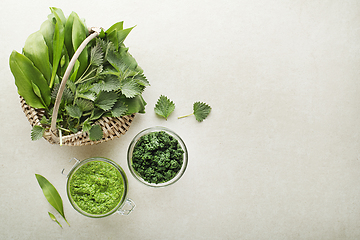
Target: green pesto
column 157, row 157
column 97, row 187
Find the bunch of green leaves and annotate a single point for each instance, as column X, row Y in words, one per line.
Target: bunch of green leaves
column 106, row 80
column 52, row 196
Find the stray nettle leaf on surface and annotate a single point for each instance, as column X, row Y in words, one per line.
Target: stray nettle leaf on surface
column 52, row 195
column 105, row 80
column 164, row 107
column 54, row 218
column 201, row 111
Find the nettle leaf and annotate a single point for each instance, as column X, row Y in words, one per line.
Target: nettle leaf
column 74, row 111
column 111, row 83
column 106, row 100
column 164, row 107
column 45, row 121
column 37, row 132
column 130, row 88
column 87, row 95
column 201, row 111
column 95, row 133
column 68, row 95
column 96, row 55
column 87, row 125
column 96, row 113
column 119, row 109
column 84, row 105
column 141, row 79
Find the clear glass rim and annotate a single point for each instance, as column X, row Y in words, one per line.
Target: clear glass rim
column 145, row 132
column 95, row 159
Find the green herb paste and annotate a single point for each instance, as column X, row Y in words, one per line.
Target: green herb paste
column 157, row 157
column 96, row 187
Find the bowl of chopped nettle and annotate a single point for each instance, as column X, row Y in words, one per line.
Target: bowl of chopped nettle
column 157, row 157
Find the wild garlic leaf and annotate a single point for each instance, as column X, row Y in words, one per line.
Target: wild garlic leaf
column 51, row 194
column 95, row 133
column 74, row 111
column 106, row 100
column 37, row 132
column 130, row 88
column 119, row 109
column 25, row 74
column 201, row 111
column 54, row 218
column 164, row 107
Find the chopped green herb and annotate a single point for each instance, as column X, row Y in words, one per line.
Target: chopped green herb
column 157, row 157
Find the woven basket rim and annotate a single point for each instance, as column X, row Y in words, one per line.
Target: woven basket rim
column 112, row 127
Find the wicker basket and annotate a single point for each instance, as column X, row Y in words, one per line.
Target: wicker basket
column 112, row 126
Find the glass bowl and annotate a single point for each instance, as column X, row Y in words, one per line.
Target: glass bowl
column 135, row 141
column 123, row 207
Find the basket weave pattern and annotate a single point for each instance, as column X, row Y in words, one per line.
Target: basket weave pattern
column 112, row 127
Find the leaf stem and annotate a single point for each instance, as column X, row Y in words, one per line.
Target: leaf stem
column 186, row 116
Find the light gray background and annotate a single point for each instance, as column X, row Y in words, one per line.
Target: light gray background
column 277, row 158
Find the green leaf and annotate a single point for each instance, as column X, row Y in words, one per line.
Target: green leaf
column 96, row 55
column 111, row 83
column 74, row 111
column 96, row 114
column 115, row 59
column 87, row 95
column 79, row 33
column 164, row 107
column 58, row 43
column 119, row 109
column 135, row 105
column 45, row 121
column 47, row 29
column 37, row 51
column 51, row 194
column 25, row 73
column 54, row 218
column 141, row 79
column 84, row 105
column 37, row 132
column 86, row 125
column 106, row 100
column 95, row 133
column 122, row 34
column 115, row 27
column 130, row 88
column 68, row 34
column 201, row 111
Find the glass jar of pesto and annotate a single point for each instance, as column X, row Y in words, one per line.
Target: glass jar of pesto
column 157, row 157
column 97, row 187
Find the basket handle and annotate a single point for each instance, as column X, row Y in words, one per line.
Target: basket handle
column 53, row 130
